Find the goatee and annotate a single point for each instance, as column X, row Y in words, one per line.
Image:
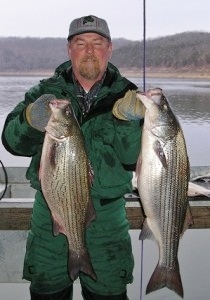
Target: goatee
column 89, row 68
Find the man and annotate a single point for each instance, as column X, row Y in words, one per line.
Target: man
column 93, row 85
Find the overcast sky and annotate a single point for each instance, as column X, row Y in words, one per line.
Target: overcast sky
column 51, row 18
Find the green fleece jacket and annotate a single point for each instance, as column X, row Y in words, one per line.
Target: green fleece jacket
column 113, row 145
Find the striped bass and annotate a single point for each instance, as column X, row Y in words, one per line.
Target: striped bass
column 162, row 180
column 66, row 178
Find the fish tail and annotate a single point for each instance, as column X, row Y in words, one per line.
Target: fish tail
column 80, row 262
column 163, row 277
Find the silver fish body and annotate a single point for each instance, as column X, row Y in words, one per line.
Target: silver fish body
column 66, row 178
column 162, row 181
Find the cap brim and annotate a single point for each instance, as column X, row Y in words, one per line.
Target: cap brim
column 86, row 31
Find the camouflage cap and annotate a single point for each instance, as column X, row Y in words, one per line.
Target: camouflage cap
column 89, row 24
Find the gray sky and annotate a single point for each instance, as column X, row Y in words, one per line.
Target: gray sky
column 51, row 18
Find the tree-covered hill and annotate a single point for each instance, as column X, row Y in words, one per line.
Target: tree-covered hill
column 188, row 49
column 31, row 54
column 179, row 50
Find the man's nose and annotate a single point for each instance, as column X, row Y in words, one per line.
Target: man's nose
column 89, row 48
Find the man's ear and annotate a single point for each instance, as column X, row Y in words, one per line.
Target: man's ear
column 68, row 49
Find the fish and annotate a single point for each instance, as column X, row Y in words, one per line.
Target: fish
column 66, row 177
column 162, row 180
column 195, row 190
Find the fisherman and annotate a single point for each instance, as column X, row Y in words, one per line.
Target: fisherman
column 93, row 85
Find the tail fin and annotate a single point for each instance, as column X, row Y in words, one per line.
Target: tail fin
column 80, row 262
column 163, row 277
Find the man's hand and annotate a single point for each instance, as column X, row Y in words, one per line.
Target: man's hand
column 38, row 113
column 129, row 107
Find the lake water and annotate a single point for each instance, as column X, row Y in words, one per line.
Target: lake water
column 190, row 100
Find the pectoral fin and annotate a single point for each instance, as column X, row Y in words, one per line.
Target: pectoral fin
column 157, row 147
column 146, row 232
column 90, row 214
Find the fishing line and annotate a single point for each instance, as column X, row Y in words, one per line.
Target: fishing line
column 144, row 87
column 144, row 45
column 6, row 180
column 141, row 272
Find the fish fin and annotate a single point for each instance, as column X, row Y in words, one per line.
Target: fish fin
column 157, row 147
column 91, row 174
column 146, row 232
column 138, row 165
column 163, row 277
column 188, row 220
column 52, row 154
column 57, row 228
column 90, row 214
column 80, row 262
column 40, row 171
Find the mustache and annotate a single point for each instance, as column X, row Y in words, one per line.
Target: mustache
column 89, row 58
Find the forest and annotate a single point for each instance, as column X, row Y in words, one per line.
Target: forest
column 183, row 50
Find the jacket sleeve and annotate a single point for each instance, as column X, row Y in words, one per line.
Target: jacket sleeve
column 127, row 142
column 18, row 137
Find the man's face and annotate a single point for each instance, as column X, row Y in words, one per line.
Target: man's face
column 89, row 54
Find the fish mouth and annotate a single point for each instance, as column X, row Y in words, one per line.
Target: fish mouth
column 145, row 98
column 155, row 95
column 150, row 97
column 58, row 103
column 155, row 92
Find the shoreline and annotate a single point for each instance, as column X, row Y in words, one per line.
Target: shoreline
column 167, row 73
column 129, row 73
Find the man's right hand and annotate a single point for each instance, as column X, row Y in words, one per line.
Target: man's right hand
column 38, row 113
